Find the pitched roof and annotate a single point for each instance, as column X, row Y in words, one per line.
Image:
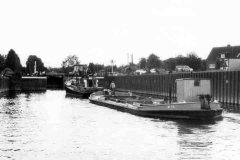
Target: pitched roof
column 233, row 50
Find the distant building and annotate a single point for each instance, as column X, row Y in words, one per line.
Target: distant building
column 224, row 58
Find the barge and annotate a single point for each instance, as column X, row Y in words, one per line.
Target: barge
column 203, row 108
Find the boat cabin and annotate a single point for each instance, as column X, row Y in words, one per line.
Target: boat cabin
column 189, row 89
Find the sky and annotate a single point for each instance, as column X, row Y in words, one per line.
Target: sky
column 99, row 31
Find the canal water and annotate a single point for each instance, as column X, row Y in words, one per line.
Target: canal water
column 49, row 125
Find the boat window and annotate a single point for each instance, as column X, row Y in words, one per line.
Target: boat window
column 197, row 83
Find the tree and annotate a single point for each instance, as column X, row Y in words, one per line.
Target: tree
column 108, row 68
column 98, row 67
column 128, row 70
column 169, row 64
column 70, row 61
column 204, row 65
column 153, row 61
column 2, row 62
column 142, row 63
column 121, row 69
column 193, row 61
column 32, row 59
column 55, row 70
column 13, row 61
column 181, row 60
column 91, row 67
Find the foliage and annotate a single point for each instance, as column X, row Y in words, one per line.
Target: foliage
column 192, row 60
column 15, row 81
column 181, row 60
column 13, row 61
column 67, row 70
column 153, row 61
column 142, row 63
column 130, row 69
column 98, row 67
column 24, row 70
column 91, row 67
column 169, row 64
column 108, row 68
column 31, row 63
column 55, row 70
column 2, row 62
column 204, row 65
column 121, row 69
column 7, row 72
column 95, row 68
column 70, row 61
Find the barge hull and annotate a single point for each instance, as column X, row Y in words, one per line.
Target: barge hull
column 177, row 114
column 77, row 93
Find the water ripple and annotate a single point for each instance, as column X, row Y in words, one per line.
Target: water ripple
column 49, row 125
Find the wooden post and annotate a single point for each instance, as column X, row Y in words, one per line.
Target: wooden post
column 222, row 81
column 232, row 87
column 158, row 85
column 237, row 86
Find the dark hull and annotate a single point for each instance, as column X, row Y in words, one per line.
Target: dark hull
column 178, row 114
column 81, row 94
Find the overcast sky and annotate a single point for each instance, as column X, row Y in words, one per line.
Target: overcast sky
column 101, row 30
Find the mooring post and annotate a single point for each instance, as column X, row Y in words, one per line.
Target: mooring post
column 170, row 87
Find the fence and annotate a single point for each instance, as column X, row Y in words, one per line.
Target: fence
column 225, row 85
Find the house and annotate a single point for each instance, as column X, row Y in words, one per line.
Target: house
column 225, row 58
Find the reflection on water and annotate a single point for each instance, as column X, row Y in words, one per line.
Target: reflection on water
column 51, row 125
column 232, row 108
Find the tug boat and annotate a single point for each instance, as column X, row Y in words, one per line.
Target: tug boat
column 83, row 84
column 204, row 108
column 80, row 91
column 82, row 88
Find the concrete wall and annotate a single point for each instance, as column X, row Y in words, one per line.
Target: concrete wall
column 27, row 84
column 4, row 84
column 34, row 83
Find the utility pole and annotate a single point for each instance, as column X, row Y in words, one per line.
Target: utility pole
column 35, row 67
column 132, row 58
column 112, row 61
